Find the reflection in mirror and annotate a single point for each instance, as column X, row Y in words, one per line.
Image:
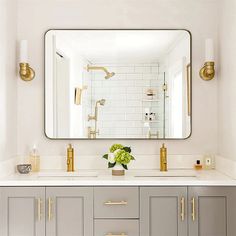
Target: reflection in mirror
column 117, row 84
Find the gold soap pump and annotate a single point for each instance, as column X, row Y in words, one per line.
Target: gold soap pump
column 70, row 159
column 163, row 158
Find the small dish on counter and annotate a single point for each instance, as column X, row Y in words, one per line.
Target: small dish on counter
column 24, row 168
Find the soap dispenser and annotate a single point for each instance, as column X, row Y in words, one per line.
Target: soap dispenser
column 34, row 159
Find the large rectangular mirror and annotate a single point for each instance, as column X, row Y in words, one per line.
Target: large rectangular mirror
column 118, row 84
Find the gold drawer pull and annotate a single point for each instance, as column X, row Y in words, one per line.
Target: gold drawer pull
column 50, row 215
column 39, row 209
column 182, row 213
column 115, row 203
column 111, row 234
column 193, row 209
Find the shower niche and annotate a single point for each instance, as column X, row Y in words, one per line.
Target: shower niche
column 118, row 84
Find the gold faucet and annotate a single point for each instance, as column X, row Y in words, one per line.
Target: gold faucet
column 163, row 158
column 70, row 159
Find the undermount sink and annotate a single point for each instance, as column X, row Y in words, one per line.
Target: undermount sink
column 68, row 174
column 171, row 173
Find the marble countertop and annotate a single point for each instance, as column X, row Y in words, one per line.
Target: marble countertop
column 131, row 178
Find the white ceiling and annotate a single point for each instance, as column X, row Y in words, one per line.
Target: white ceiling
column 120, row 46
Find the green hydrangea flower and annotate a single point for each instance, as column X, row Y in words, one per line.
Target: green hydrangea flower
column 123, row 157
column 115, row 147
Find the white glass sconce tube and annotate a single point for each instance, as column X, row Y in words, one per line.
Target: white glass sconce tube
column 26, row 72
column 207, row 72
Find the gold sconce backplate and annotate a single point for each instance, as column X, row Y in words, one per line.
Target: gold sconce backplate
column 26, row 72
column 208, row 71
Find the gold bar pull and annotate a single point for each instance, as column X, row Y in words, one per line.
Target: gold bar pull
column 182, row 213
column 193, row 209
column 115, row 203
column 50, row 203
column 39, row 203
column 111, row 234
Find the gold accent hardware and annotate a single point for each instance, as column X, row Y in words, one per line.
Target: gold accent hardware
column 188, row 71
column 92, row 134
column 110, row 203
column 78, row 94
column 90, row 117
column 39, row 201
column 26, row 72
column 70, row 159
column 193, row 208
column 95, row 117
column 121, row 234
column 182, row 213
column 207, row 72
column 163, row 158
column 108, row 74
column 50, row 203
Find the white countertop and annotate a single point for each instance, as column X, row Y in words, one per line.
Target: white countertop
column 132, row 178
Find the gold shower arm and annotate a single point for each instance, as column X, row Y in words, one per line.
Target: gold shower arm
column 97, row 68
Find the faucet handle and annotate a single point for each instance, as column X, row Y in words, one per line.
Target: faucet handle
column 90, row 117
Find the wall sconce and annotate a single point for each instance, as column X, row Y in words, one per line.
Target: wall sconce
column 26, row 72
column 208, row 70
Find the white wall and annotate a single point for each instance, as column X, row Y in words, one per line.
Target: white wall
column 227, row 80
column 37, row 16
column 8, row 92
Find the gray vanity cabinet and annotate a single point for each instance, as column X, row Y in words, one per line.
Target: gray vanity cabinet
column 163, row 211
column 212, row 211
column 69, row 211
column 22, row 211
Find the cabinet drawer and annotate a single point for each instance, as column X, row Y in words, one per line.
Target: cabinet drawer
column 116, row 202
column 116, row 228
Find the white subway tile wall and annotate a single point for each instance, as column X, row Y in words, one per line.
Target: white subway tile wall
column 123, row 114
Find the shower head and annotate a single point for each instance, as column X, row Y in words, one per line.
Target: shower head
column 101, row 102
column 109, row 75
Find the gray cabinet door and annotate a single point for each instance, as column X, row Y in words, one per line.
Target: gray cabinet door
column 22, row 211
column 69, row 211
column 163, row 211
column 212, row 211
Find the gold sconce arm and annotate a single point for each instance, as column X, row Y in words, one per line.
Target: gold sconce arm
column 26, row 72
column 208, row 71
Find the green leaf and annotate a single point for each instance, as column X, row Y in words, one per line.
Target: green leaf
column 125, row 166
column 132, row 158
column 105, row 156
column 127, row 149
column 111, row 165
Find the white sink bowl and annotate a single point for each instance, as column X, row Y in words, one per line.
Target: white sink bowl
column 170, row 173
column 67, row 174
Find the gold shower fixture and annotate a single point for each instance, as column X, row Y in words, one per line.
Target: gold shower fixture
column 108, row 74
column 95, row 117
